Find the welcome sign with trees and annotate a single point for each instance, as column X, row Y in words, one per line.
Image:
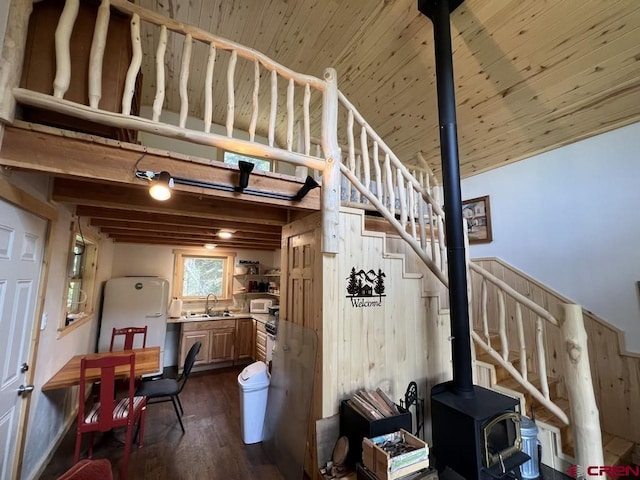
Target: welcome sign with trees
column 362, row 285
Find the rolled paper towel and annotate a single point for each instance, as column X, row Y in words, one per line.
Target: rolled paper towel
column 175, row 308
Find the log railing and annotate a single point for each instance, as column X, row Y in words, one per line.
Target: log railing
column 538, row 320
column 379, row 180
column 300, row 89
column 530, row 339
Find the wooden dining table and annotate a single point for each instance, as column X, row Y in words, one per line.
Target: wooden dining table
column 147, row 361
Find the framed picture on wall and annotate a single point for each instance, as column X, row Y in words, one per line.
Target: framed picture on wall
column 477, row 212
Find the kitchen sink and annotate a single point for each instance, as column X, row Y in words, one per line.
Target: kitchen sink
column 206, row 316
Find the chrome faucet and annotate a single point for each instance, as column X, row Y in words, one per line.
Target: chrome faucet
column 207, row 309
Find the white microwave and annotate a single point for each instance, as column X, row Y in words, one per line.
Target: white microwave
column 260, row 305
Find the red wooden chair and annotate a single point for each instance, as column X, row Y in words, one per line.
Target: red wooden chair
column 129, row 334
column 110, row 412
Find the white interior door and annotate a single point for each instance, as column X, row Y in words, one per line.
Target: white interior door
column 22, row 237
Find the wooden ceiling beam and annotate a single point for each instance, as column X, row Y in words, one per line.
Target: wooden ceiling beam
column 121, row 196
column 179, row 239
column 192, row 243
column 180, row 233
column 115, row 226
column 75, row 157
column 102, row 216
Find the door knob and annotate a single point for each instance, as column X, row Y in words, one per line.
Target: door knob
column 22, row 389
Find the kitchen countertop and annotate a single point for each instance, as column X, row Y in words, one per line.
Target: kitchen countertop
column 260, row 317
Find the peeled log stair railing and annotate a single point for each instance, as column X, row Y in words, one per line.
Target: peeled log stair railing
column 393, row 191
column 404, row 198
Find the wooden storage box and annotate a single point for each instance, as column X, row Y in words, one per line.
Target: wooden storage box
column 385, row 467
column 355, row 427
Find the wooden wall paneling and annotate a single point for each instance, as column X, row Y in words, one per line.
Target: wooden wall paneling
column 379, row 346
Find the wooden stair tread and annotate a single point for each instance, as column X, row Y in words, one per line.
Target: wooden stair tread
column 533, row 378
column 544, row 415
column 617, row 450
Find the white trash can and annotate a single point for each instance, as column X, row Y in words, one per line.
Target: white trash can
column 254, row 386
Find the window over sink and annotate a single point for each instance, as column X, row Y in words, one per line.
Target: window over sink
column 198, row 274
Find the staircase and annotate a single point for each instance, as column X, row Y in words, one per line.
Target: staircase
column 555, row 436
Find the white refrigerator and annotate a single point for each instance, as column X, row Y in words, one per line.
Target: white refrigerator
column 135, row 302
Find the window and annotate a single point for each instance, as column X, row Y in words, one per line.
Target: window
column 198, row 274
column 260, row 163
column 81, row 277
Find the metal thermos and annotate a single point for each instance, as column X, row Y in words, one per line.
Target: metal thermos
column 529, row 434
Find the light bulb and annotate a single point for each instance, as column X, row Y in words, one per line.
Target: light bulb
column 159, row 188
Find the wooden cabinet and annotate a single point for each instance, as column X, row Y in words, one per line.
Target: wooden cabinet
column 222, row 342
column 244, row 339
column 188, row 339
column 217, row 337
column 260, row 351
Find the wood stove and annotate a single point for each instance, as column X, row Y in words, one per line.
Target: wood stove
column 478, row 435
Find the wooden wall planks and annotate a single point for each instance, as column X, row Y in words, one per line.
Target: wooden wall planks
column 402, row 340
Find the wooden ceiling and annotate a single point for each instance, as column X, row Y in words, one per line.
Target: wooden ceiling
column 531, row 75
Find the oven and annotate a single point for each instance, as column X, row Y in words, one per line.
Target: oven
column 271, row 328
column 271, row 342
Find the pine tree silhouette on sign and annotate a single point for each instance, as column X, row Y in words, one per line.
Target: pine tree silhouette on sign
column 352, row 287
column 379, row 283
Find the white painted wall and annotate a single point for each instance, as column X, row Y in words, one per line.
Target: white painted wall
column 569, row 218
column 51, row 412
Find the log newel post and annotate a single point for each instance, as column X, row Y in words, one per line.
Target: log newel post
column 585, row 418
column 331, row 173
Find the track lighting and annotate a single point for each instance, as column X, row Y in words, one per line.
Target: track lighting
column 161, row 185
column 163, row 182
column 309, row 184
column 245, row 170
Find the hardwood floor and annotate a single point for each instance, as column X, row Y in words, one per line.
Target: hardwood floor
column 211, row 448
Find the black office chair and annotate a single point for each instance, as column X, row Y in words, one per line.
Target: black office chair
column 168, row 389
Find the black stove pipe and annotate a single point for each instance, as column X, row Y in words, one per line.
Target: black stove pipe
column 438, row 11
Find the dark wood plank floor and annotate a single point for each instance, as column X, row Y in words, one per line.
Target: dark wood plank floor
column 211, row 448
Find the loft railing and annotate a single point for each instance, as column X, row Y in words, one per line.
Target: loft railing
column 375, row 176
column 300, row 88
